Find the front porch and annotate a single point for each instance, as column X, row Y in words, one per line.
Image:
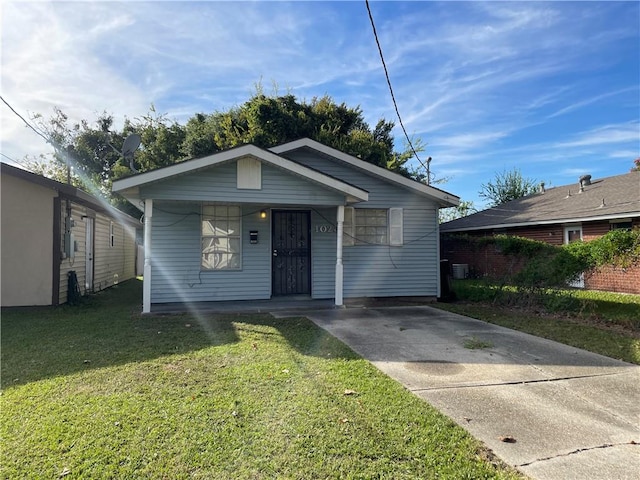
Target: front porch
column 276, row 252
column 288, row 304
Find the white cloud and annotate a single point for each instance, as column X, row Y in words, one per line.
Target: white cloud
column 604, row 136
column 627, row 154
column 575, row 172
column 591, row 100
column 473, row 140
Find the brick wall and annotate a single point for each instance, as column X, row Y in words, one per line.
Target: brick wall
column 487, row 261
column 483, row 260
column 613, row 279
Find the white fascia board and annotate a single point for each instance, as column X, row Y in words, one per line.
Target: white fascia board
column 561, row 221
column 189, row 166
column 183, row 167
column 445, row 199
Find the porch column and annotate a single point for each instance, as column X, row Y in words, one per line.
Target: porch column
column 339, row 267
column 438, row 265
column 146, row 286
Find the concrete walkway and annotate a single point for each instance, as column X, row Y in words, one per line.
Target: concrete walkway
column 573, row 414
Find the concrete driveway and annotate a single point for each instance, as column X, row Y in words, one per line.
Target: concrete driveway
column 573, row 414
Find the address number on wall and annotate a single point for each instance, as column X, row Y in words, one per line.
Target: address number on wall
column 325, row 229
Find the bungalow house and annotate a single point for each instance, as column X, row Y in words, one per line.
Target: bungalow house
column 50, row 229
column 584, row 210
column 299, row 219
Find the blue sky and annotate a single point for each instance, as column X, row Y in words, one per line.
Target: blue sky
column 550, row 88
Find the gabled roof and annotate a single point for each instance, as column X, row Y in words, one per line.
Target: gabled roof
column 604, row 199
column 69, row 191
column 128, row 186
column 444, row 199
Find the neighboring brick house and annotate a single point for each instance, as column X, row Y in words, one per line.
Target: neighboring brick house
column 584, row 211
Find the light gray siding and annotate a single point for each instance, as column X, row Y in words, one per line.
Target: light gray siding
column 113, row 263
column 218, row 184
column 176, row 256
column 77, row 262
column 386, row 271
column 323, row 253
column 377, row 270
column 382, row 194
column 369, row 270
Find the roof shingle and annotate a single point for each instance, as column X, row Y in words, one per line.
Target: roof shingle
column 610, row 197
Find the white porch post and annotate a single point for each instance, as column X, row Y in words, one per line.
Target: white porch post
column 146, row 286
column 438, row 266
column 339, row 267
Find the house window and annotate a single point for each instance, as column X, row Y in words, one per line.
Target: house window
column 620, row 225
column 221, row 238
column 373, row 226
column 572, row 234
column 112, row 235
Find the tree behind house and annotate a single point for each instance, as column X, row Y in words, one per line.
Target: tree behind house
column 465, row 208
column 263, row 120
column 507, row 186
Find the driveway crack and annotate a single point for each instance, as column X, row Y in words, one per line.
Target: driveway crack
column 514, row 382
column 579, row 450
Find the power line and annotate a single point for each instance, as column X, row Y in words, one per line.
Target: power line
column 393, row 98
column 25, row 122
column 9, row 158
column 68, row 160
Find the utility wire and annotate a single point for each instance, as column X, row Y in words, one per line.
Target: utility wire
column 68, row 159
column 27, row 123
column 9, row 158
column 393, row 98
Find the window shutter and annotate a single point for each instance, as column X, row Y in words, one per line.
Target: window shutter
column 395, row 226
column 347, row 227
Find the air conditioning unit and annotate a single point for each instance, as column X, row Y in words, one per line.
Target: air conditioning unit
column 460, row 271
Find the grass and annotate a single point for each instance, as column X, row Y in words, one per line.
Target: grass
column 475, row 343
column 98, row 391
column 600, row 322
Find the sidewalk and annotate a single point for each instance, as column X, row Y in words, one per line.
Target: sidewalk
column 570, row 414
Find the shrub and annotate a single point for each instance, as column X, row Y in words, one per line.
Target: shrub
column 619, row 248
column 550, row 267
column 519, row 246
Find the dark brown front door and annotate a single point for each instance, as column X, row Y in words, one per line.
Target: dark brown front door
column 291, row 262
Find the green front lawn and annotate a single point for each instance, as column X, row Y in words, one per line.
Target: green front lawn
column 98, row 391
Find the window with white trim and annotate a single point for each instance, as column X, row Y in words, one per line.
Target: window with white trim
column 221, row 237
column 373, row 226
